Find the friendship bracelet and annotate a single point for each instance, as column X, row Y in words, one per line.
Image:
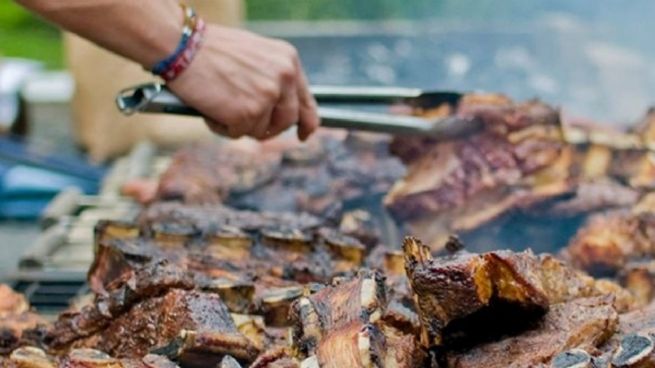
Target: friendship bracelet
column 182, row 62
column 174, row 64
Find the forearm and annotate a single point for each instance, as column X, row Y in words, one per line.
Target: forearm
column 144, row 31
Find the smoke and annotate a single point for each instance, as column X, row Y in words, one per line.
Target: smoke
column 595, row 59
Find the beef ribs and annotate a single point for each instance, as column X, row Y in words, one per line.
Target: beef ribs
column 242, row 255
column 506, row 292
column 584, row 323
column 518, row 158
column 276, row 358
column 341, row 326
column 186, row 325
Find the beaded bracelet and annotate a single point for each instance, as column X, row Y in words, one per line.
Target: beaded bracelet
column 173, row 65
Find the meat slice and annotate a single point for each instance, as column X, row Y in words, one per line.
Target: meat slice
column 584, row 323
column 341, row 326
column 517, row 159
column 358, row 300
column 505, row 291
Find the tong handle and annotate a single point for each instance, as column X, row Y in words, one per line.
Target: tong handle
column 159, row 99
column 152, row 97
column 156, row 98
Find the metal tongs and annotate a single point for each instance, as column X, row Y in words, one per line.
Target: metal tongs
column 156, row 98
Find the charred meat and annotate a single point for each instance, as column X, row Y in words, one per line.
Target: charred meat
column 502, row 290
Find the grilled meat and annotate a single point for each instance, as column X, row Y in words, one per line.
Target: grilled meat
column 639, row 278
column 584, row 323
column 256, row 262
column 517, row 159
column 317, row 178
column 607, row 242
column 185, row 325
column 276, row 358
column 207, row 173
column 341, row 326
column 505, row 291
column 632, row 346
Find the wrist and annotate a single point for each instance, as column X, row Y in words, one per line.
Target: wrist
column 164, row 39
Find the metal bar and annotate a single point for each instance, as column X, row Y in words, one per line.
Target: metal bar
column 156, row 98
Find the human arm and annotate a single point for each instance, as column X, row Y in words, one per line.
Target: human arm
column 243, row 84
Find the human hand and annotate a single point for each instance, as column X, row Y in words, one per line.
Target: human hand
column 248, row 85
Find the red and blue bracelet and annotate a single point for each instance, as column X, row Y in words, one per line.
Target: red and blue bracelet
column 192, row 33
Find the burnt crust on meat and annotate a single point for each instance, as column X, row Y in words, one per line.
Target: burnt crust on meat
column 503, row 290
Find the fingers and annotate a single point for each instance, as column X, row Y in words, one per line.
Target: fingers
column 244, row 84
column 216, row 127
column 309, row 120
column 284, row 114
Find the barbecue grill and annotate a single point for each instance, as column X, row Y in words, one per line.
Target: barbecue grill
column 530, row 300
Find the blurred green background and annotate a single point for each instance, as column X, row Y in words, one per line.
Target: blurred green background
column 22, row 34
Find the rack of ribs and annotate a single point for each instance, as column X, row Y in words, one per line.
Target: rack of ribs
column 229, row 248
column 524, row 160
column 413, row 309
column 517, row 158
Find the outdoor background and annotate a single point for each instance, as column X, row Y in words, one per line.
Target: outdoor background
column 21, row 34
column 595, row 58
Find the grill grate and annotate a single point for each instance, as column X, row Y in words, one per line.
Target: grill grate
column 49, row 292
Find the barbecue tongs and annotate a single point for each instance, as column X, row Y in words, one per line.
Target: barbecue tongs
column 156, row 98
